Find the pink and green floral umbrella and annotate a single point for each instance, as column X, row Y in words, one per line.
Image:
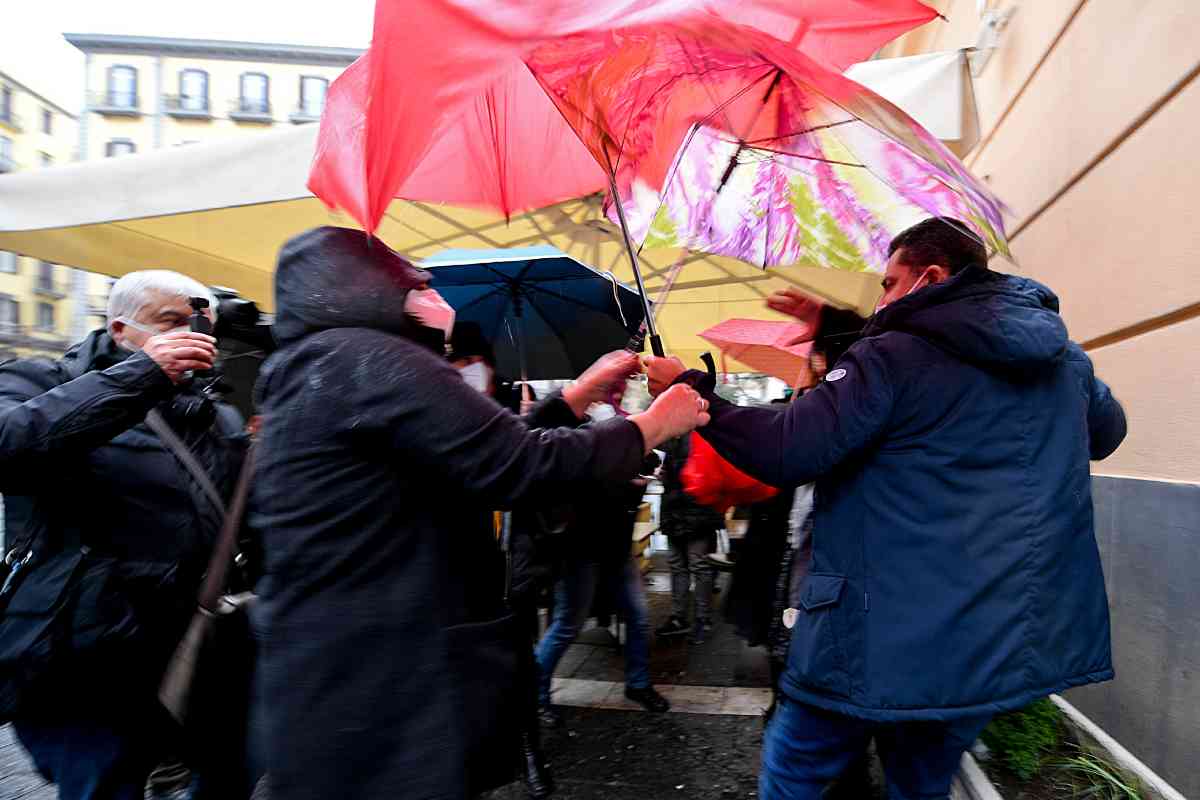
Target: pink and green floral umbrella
column 732, row 143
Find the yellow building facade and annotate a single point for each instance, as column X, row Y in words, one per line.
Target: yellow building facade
column 145, row 93
column 37, row 308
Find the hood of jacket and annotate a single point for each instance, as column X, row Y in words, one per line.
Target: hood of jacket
column 996, row 321
column 332, row 277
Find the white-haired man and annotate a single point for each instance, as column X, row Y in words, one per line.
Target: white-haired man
column 75, row 446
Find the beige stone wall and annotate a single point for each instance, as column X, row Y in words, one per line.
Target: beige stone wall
column 1089, row 111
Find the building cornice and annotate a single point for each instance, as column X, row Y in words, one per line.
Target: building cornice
column 106, row 43
column 10, row 80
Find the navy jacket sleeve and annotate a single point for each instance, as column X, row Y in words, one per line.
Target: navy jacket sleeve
column 1106, row 421
column 811, row 435
column 430, row 417
column 43, row 422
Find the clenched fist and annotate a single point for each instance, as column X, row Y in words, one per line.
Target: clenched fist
column 180, row 352
column 678, row 410
column 661, row 373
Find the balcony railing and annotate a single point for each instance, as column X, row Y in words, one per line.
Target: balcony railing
column 302, row 115
column 13, row 335
column 50, row 289
column 115, row 104
column 245, row 109
column 9, row 119
column 187, row 107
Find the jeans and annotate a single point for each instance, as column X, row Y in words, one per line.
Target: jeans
column 573, row 596
column 687, row 562
column 806, row 748
column 105, row 750
column 105, row 755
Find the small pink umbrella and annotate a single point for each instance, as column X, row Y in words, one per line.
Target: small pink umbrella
column 763, row 345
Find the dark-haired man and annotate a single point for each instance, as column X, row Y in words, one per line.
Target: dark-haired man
column 955, row 571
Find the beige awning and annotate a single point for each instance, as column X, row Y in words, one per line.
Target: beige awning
column 935, row 89
column 220, row 212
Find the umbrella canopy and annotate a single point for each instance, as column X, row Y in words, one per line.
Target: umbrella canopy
column 546, row 315
column 444, row 90
column 220, row 212
column 763, row 345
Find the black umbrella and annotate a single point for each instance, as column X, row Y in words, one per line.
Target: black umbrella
column 546, row 315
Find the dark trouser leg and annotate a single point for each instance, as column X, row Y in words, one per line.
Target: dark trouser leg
column 96, row 756
column 704, row 575
column 680, row 577
column 805, row 749
column 920, row 759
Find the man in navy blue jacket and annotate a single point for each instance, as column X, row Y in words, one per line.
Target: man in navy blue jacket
column 955, row 570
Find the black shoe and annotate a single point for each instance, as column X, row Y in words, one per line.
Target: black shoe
column 701, row 632
column 648, row 699
column 673, row 627
column 538, row 782
column 169, row 778
column 549, row 717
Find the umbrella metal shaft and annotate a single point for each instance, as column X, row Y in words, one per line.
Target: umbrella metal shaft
column 655, row 342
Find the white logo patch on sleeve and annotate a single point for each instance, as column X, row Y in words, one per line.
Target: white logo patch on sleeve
column 836, row 375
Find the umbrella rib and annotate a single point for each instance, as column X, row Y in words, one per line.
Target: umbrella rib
column 794, row 134
column 565, row 298
column 786, row 154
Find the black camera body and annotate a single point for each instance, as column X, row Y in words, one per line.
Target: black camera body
column 244, row 340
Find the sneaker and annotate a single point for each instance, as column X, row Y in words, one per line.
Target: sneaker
column 673, row 627
column 549, row 717
column 701, row 632
column 169, row 779
column 648, row 699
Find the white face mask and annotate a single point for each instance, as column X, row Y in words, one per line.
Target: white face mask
column 478, row 376
column 130, row 346
column 430, row 309
column 917, row 284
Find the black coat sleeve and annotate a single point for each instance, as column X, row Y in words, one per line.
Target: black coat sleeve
column 841, row 416
column 429, row 417
column 552, row 412
column 43, row 422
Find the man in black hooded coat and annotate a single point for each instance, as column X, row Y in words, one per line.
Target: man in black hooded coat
column 387, row 655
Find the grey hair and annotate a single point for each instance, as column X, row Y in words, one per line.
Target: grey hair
column 131, row 293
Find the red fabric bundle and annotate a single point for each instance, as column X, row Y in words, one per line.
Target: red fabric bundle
column 714, row 482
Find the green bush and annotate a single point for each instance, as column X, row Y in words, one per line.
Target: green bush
column 1022, row 739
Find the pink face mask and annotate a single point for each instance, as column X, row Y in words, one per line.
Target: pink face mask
column 430, row 309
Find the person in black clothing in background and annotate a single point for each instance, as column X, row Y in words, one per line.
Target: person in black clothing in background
column 691, row 531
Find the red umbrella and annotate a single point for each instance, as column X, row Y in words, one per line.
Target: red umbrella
column 444, row 82
column 443, row 107
column 763, row 345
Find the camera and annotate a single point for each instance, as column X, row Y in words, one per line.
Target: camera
column 244, row 340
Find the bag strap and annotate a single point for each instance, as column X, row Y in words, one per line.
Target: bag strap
column 181, row 451
column 215, row 580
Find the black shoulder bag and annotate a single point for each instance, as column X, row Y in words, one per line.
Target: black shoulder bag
column 216, row 655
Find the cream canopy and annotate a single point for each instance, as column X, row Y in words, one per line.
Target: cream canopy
column 220, row 212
